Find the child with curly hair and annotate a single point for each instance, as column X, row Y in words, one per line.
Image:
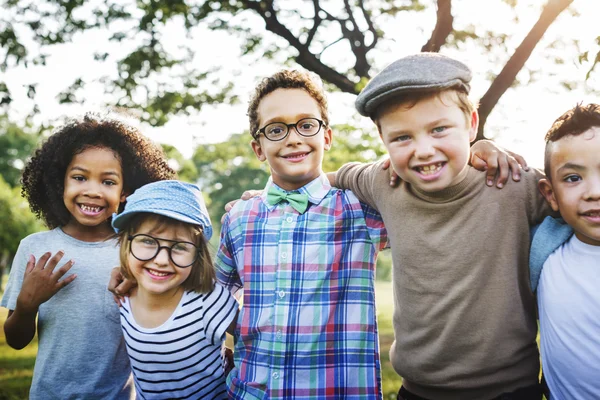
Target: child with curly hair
column 75, row 182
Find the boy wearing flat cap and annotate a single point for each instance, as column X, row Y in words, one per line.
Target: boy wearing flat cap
column 464, row 313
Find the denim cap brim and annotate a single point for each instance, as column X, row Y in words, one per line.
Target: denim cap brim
column 174, row 199
column 420, row 72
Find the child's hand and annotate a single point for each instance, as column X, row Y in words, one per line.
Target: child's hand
column 40, row 282
column 247, row 195
column 499, row 163
column 393, row 175
column 119, row 286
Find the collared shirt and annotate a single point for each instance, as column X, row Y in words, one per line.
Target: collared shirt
column 307, row 328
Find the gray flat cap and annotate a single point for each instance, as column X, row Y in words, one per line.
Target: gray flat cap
column 418, row 72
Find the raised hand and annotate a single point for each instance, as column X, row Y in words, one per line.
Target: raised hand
column 41, row 281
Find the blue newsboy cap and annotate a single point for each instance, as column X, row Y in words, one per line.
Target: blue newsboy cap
column 174, row 199
column 414, row 73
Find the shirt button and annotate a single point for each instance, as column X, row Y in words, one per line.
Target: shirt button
column 275, row 375
column 279, row 334
column 284, row 255
column 281, row 294
column 289, row 220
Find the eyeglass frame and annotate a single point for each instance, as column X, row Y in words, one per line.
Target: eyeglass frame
column 288, row 126
column 169, row 248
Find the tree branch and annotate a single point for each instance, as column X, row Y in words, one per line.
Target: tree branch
column 305, row 58
column 508, row 74
column 443, row 27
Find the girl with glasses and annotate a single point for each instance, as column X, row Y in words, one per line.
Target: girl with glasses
column 174, row 321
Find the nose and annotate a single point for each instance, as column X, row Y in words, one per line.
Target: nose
column 293, row 136
column 92, row 189
column 162, row 257
column 592, row 192
column 424, row 148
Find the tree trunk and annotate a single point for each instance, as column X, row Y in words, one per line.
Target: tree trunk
column 507, row 76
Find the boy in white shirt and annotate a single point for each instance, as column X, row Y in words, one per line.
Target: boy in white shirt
column 565, row 257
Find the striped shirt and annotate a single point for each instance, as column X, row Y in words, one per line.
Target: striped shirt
column 307, row 328
column 182, row 357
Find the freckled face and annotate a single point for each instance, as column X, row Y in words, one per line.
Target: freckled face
column 295, row 160
column 575, row 187
column 93, row 187
column 428, row 143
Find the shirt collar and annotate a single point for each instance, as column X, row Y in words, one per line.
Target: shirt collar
column 316, row 190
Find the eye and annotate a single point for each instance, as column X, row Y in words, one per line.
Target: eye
column 439, row 129
column 402, row 138
column 572, row 178
column 182, row 247
column 109, row 182
column 78, row 178
column 275, row 129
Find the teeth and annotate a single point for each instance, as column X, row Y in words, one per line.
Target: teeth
column 430, row 169
column 90, row 209
column 593, row 214
column 158, row 273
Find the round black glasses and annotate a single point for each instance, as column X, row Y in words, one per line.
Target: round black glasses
column 146, row 247
column 277, row 131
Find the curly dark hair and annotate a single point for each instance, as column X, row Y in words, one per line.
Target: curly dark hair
column 287, row 79
column 573, row 122
column 141, row 160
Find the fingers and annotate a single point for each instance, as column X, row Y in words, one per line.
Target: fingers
column 43, row 260
column 30, row 264
column 115, row 279
column 51, row 264
column 394, row 178
column 230, row 205
column 124, row 287
column 515, row 168
column 248, row 194
column 66, row 281
column 386, row 163
column 492, row 168
column 63, row 270
column 522, row 162
column 503, row 171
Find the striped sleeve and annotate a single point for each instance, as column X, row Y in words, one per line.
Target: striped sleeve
column 220, row 308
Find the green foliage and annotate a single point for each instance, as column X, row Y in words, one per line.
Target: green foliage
column 17, row 219
column 16, row 145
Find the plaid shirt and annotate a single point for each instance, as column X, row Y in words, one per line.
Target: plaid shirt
column 308, row 327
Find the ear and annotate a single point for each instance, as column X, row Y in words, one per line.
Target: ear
column 123, row 197
column 474, row 125
column 545, row 186
column 328, row 135
column 257, row 148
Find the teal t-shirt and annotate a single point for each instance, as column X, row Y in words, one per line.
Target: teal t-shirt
column 81, row 353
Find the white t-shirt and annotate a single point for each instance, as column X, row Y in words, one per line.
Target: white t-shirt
column 569, row 307
column 182, row 357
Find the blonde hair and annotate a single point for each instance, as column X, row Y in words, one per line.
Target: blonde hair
column 202, row 274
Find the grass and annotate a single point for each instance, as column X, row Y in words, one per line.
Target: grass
column 16, row 366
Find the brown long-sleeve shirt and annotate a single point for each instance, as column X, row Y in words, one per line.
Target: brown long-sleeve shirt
column 464, row 314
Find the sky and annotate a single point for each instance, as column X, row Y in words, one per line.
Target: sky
column 519, row 121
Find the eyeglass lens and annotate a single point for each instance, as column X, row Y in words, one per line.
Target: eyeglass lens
column 145, row 247
column 305, row 127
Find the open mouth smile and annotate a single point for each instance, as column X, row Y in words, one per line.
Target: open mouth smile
column 295, row 157
column 160, row 275
column 430, row 169
column 90, row 210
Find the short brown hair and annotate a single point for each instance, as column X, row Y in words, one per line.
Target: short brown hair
column 287, row 79
column 574, row 122
column 202, row 275
column 410, row 99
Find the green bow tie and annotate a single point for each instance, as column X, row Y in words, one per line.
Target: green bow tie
column 298, row 201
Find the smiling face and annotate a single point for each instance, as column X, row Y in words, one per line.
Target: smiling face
column 159, row 275
column 295, row 160
column 574, row 185
column 93, row 190
column 428, row 142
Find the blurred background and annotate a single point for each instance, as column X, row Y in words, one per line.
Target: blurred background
column 183, row 71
